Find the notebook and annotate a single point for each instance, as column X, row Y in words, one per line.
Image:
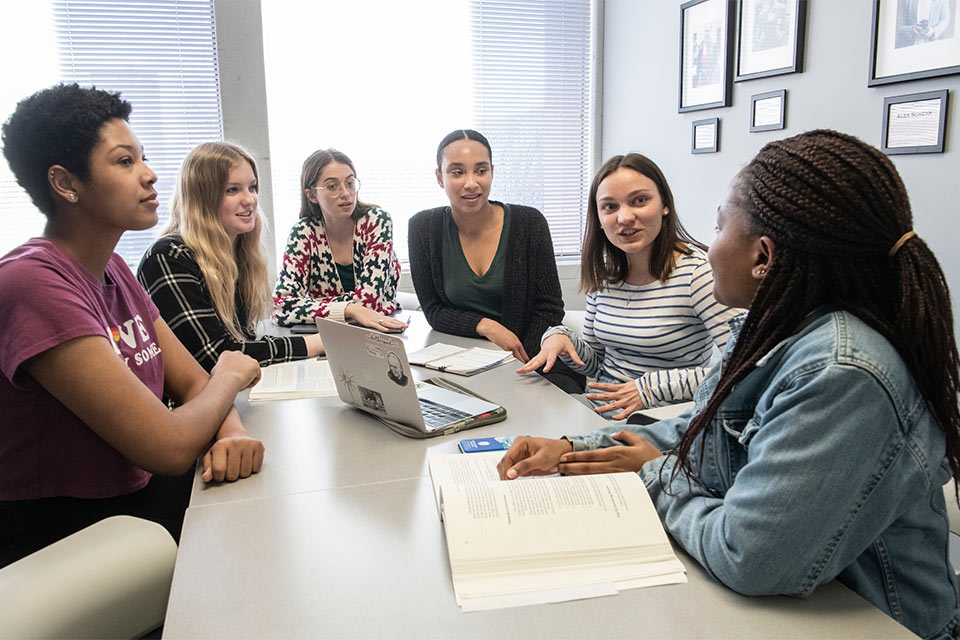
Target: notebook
column 371, row 371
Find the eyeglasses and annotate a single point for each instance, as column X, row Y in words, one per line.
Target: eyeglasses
column 333, row 188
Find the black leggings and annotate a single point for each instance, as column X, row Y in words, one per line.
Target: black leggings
column 29, row 525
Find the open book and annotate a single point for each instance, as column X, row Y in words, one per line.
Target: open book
column 300, row 379
column 464, row 361
column 546, row 539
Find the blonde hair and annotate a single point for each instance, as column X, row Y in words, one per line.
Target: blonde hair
column 228, row 268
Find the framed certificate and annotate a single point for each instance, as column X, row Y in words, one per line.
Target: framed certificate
column 705, row 136
column 768, row 111
column 914, row 123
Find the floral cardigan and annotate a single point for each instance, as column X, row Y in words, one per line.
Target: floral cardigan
column 309, row 286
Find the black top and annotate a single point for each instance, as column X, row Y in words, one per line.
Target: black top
column 464, row 288
column 532, row 301
column 170, row 274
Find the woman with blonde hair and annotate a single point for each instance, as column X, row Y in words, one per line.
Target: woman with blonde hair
column 207, row 274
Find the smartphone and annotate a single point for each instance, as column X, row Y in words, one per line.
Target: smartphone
column 303, row 328
column 475, row 445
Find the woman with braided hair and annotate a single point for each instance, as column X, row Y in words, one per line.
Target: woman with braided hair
column 818, row 448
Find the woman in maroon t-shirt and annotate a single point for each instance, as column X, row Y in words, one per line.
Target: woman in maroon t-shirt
column 86, row 357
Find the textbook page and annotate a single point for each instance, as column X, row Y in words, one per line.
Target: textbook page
column 459, row 469
column 300, row 379
column 559, row 515
column 460, row 360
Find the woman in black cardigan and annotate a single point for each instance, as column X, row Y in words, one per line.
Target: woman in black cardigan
column 483, row 268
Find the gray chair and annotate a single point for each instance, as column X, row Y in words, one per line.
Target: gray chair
column 110, row 580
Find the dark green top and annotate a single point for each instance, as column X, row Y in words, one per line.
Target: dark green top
column 464, row 288
column 345, row 271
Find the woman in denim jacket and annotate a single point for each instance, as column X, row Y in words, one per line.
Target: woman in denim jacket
column 818, row 448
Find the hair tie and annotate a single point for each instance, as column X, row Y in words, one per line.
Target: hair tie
column 902, row 241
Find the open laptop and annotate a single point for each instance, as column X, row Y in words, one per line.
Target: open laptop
column 372, row 374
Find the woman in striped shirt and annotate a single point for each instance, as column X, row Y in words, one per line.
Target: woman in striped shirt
column 651, row 318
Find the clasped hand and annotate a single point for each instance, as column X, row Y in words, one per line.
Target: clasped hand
column 529, row 456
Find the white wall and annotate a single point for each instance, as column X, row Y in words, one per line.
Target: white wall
column 641, row 67
column 639, row 113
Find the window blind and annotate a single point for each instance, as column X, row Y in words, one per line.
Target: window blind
column 532, row 76
column 518, row 71
column 162, row 56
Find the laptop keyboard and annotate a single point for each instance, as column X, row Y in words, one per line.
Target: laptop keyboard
column 437, row 415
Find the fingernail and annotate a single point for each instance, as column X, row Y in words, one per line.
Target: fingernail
column 511, row 473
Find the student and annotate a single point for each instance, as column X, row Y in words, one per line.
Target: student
column 651, row 318
column 207, row 274
column 483, row 268
column 86, row 356
column 339, row 262
column 819, row 448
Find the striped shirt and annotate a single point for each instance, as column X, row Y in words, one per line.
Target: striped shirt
column 660, row 335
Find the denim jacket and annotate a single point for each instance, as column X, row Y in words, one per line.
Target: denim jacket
column 823, row 463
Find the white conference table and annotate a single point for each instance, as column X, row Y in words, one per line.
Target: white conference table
column 338, row 536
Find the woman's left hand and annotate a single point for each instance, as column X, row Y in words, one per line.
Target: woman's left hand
column 369, row 318
column 636, row 453
column 624, row 396
column 232, row 457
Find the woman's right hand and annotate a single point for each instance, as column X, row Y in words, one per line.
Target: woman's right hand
column 529, row 456
column 554, row 346
column 242, row 370
column 369, row 318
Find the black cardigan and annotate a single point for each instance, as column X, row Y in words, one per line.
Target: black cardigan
column 532, row 301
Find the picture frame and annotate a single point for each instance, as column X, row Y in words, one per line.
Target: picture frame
column 914, row 123
column 905, row 46
column 706, row 54
column 770, row 38
column 705, row 136
column 768, row 111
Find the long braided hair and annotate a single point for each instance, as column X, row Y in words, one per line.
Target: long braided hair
column 835, row 208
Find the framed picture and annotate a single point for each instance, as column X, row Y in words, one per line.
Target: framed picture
column 770, row 38
column 914, row 123
column 913, row 39
column 705, row 136
column 706, row 52
column 767, row 111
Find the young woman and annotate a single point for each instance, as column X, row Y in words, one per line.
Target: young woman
column 483, row 268
column 86, row 357
column 651, row 318
column 817, row 451
column 207, row 274
column 339, row 262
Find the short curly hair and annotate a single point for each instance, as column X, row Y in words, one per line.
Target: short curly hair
column 60, row 125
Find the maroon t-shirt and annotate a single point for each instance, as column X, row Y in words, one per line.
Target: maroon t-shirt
column 47, row 298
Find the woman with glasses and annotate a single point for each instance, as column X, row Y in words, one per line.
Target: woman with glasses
column 207, row 274
column 483, row 268
column 339, row 262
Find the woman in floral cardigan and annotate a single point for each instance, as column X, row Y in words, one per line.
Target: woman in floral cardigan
column 339, row 262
